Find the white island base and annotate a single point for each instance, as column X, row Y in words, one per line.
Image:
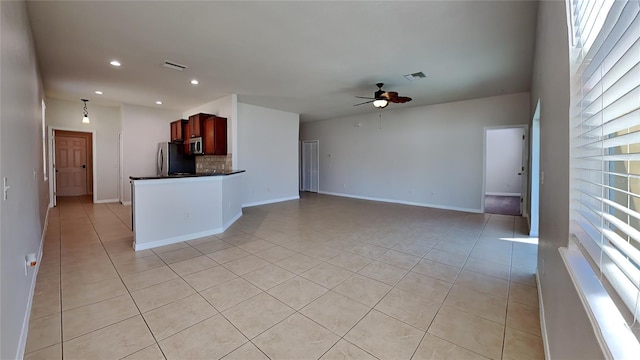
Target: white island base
column 173, row 209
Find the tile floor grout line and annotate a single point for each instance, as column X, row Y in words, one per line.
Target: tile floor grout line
column 447, row 295
column 122, row 281
column 60, row 283
column 504, row 332
column 306, row 242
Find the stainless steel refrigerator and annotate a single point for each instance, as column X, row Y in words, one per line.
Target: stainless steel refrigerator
column 172, row 160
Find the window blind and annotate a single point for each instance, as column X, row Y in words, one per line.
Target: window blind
column 605, row 141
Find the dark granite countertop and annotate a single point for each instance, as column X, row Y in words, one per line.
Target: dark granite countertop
column 177, row 176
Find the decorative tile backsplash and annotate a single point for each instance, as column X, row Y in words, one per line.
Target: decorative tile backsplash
column 210, row 163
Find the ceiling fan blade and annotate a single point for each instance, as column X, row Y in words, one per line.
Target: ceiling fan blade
column 404, row 99
column 366, row 102
column 364, row 97
column 392, row 96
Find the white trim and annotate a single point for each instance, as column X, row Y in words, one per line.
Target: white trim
column 501, row 194
column 106, row 201
column 125, row 203
column 22, row 342
column 121, row 182
column 616, row 340
column 394, row 201
column 271, row 201
column 543, row 323
column 187, row 237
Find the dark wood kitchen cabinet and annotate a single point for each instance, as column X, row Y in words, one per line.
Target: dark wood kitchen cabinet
column 177, row 130
column 196, row 123
column 214, row 135
column 186, row 134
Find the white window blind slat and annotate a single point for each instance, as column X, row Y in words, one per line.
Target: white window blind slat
column 605, row 141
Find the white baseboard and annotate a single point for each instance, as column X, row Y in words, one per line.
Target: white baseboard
column 187, row 237
column 235, row 218
column 24, row 333
column 271, row 201
column 502, row 194
column 126, row 203
column 106, row 201
column 543, row 324
column 413, row 203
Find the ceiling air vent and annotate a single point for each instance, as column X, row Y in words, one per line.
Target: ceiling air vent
column 174, row 66
column 415, row 76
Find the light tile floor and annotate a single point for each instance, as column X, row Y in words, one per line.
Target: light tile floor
column 319, row 278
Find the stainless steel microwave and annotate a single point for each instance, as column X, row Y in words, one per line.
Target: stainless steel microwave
column 195, row 146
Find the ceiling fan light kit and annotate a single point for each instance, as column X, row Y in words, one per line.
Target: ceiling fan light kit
column 380, row 103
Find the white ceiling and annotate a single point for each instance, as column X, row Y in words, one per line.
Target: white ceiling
column 307, row 57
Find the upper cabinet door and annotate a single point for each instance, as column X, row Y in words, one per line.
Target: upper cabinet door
column 177, row 130
column 196, row 122
column 214, row 136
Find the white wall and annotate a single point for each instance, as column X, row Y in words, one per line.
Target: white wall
column 504, row 161
column 22, row 215
column 105, row 121
column 569, row 334
column 142, row 129
column 426, row 155
column 226, row 107
column 268, row 151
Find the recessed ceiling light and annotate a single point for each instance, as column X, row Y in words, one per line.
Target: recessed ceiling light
column 115, row 63
column 98, row 92
column 195, row 82
column 159, row 102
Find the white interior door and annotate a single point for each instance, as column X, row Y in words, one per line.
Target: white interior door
column 310, row 166
column 52, row 169
column 525, row 172
column 121, row 167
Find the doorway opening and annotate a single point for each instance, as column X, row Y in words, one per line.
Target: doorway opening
column 310, row 166
column 505, row 179
column 72, row 163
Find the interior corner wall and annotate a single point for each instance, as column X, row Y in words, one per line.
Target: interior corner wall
column 23, row 213
column 105, row 121
column 423, row 155
column 268, row 151
column 568, row 333
column 504, row 161
column 142, row 129
column 225, row 107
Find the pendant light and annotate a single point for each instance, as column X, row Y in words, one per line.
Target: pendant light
column 85, row 117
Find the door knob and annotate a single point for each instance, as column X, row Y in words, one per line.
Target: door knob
column 519, row 173
column 85, row 166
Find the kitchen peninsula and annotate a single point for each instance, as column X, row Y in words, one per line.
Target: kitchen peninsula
column 174, row 208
